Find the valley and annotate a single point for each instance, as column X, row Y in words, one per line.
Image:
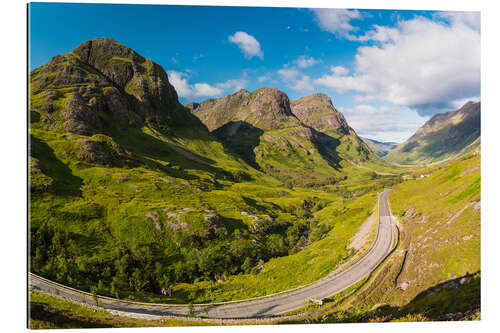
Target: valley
column 135, row 197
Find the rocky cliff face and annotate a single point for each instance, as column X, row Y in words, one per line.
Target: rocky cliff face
column 318, row 112
column 265, row 108
column 103, row 84
column 443, row 136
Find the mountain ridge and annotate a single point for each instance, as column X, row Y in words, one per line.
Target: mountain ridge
column 443, row 136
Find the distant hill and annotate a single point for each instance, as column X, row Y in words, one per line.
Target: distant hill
column 380, row 148
column 444, row 136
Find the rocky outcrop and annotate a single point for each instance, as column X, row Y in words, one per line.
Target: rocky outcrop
column 101, row 85
column 318, row 112
column 102, row 150
column 79, row 118
column 265, row 108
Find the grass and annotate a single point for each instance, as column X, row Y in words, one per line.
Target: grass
column 102, row 206
column 147, row 206
column 48, row 312
column 440, row 233
column 311, row 263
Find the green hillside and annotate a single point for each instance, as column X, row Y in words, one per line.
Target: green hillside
column 434, row 274
column 444, row 136
column 306, row 142
column 132, row 196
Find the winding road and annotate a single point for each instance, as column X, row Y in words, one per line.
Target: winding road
column 262, row 307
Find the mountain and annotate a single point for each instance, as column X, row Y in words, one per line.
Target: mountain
column 306, row 141
column 444, row 136
column 128, row 190
column 132, row 195
column 380, row 148
column 318, row 112
column 102, row 85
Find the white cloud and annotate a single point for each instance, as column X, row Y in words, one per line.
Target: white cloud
column 198, row 56
column 198, row 90
column 422, row 64
column 288, row 73
column 379, row 34
column 337, row 21
column 264, row 78
column 302, row 84
column 185, row 90
column 339, row 70
column 248, row 44
column 305, row 61
column 296, row 80
column 234, row 84
column 383, row 122
column 471, row 19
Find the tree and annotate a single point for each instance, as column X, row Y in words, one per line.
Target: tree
column 190, row 309
column 247, row 265
column 93, row 291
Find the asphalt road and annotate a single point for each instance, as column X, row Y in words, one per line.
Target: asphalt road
column 254, row 308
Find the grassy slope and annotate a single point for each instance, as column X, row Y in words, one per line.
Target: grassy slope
column 102, row 206
column 444, row 139
column 48, row 312
column 436, row 251
column 313, row 262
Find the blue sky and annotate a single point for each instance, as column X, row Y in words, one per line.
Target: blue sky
column 387, row 71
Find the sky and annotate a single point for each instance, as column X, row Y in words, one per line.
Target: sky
column 387, row 71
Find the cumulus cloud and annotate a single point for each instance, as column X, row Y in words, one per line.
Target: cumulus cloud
column 471, row 19
column 305, row 61
column 189, row 91
column 186, row 90
column 248, row 44
column 337, row 21
column 422, row 64
column 234, row 84
column 296, row 80
column 382, row 123
column 339, row 70
column 264, row 78
column 288, row 73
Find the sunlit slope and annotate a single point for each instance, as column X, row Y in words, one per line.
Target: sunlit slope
column 444, row 136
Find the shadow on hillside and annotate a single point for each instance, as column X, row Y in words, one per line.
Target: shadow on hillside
column 157, row 154
column 457, row 136
column 58, row 318
column 453, row 296
column 450, row 297
column 65, row 183
column 327, row 147
column 239, row 139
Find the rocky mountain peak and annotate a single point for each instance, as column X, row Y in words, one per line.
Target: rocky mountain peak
column 266, row 108
column 115, row 85
column 272, row 101
column 317, row 111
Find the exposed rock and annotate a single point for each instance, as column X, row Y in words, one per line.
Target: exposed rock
column 154, row 217
column 317, row 111
column 403, row 286
column 443, row 136
column 265, row 108
column 78, row 116
column 95, row 152
column 124, row 177
column 120, row 88
column 42, row 183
